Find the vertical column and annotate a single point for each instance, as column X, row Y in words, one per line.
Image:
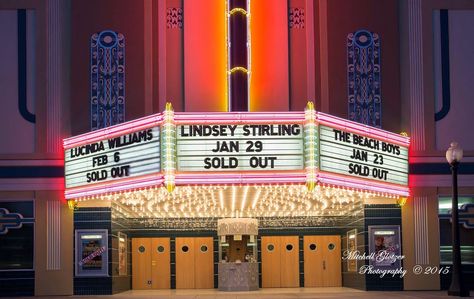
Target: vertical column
column 172, row 54
column 238, row 53
column 54, row 253
column 298, row 54
column 324, row 55
column 205, row 57
column 55, row 76
column 161, row 68
column 53, row 227
column 148, row 54
column 415, row 58
column 421, row 239
column 269, row 66
column 310, row 64
column 421, row 230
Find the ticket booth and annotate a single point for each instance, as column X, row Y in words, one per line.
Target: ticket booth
column 238, row 267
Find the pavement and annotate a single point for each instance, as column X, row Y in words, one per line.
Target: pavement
column 276, row 293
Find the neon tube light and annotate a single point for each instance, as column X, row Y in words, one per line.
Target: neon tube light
column 340, row 123
column 354, row 183
column 115, row 186
column 238, row 54
column 114, row 131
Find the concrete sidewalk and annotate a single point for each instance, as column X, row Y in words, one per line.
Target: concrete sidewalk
column 276, row 293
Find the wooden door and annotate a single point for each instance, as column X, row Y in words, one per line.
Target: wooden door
column 289, row 257
column 322, row 261
column 204, row 263
column 313, row 261
column 160, row 263
column 332, row 261
column 141, row 266
column 271, row 264
column 185, row 263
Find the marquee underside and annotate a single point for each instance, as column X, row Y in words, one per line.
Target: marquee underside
column 237, row 201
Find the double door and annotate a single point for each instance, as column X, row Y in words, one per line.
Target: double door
column 322, row 261
column 194, row 263
column 150, row 263
column 280, row 262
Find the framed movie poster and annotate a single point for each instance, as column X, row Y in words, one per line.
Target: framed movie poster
column 91, row 258
column 351, row 249
column 122, row 254
column 384, row 246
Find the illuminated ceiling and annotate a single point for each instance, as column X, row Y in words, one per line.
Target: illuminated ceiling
column 236, row 201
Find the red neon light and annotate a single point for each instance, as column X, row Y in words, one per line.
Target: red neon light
column 240, row 178
column 355, row 183
column 115, row 186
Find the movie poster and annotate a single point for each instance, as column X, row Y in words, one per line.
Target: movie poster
column 384, row 246
column 91, row 253
column 351, row 248
column 122, row 254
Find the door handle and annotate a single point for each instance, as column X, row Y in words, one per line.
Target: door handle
column 324, row 265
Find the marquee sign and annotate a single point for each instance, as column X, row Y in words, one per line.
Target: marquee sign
column 361, row 156
column 128, row 155
column 171, row 149
column 249, row 147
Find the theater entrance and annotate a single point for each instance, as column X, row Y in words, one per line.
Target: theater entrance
column 194, row 263
column 322, row 261
column 280, row 263
column 150, row 263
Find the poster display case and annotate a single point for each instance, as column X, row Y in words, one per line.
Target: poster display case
column 91, row 258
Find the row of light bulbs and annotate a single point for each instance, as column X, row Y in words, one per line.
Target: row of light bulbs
column 203, row 201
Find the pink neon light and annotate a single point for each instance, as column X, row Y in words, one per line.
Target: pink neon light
column 141, row 182
column 238, row 117
column 114, row 131
column 239, row 178
column 354, row 183
column 340, row 123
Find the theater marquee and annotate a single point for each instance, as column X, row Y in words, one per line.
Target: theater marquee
column 361, row 156
column 129, row 155
column 240, row 147
column 170, row 149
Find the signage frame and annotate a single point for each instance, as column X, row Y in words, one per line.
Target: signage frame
column 105, row 165
column 364, row 162
column 380, row 260
column 351, row 247
column 82, row 256
column 240, row 148
column 310, row 174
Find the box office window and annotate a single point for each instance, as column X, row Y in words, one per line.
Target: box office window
column 466, row 229
column 16, row 235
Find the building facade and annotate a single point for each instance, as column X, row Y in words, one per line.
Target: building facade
column 74, row 67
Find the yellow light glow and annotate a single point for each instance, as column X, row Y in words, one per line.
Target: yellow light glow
column 310, row 130
column 238, row 69
column 244, row 200
column 238, row 10
column 72, row 204
column 245, row 70
column 401, row 201
column 211, row 201
column 169, row 145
